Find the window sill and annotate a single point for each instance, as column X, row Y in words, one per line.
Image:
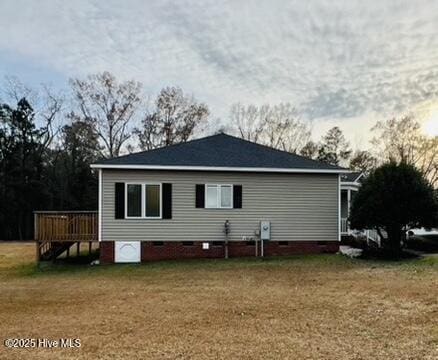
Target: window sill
column 219, row 208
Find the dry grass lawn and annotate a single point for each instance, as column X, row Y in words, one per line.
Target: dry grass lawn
column 310, row 307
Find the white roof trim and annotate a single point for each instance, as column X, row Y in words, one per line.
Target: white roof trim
column 357, row 179
column 216, row 168
column 350, row 185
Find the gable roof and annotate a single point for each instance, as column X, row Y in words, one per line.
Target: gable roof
column 351, row 177
column 219, row 152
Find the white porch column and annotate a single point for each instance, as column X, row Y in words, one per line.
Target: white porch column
column 348, row 208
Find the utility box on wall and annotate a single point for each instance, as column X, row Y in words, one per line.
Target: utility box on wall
column 265, row 230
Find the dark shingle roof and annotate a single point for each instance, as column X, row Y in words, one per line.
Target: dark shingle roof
column 351, row 177
column 220, row 150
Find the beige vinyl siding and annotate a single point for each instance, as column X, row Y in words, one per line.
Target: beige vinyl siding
column 301, row 207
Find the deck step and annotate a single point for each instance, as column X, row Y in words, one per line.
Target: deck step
column 51, row 250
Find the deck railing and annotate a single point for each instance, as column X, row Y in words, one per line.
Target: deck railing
column 344, row 225
column 65, row 225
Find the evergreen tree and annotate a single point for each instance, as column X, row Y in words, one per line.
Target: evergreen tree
column 393, row 199
column 21, row 166
column 334, row 148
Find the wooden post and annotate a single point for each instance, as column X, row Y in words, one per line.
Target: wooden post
column 78, row 248
column 35, row 236
column 38, row 253
column 35, row 226
column 89, row 248
column 348, row 209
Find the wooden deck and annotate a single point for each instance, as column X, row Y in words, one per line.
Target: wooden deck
column 57, row 231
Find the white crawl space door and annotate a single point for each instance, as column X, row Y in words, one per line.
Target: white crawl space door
column 127, row 252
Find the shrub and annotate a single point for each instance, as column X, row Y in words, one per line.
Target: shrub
column 393, row 199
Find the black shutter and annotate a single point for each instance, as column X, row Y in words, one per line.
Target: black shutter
column 167, row 201
column 237, row 196
column 120, row 201
column 200, row 195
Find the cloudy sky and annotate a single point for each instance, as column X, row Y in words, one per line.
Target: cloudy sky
column 346, row 63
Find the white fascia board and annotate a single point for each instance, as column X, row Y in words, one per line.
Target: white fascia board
column 350, row 183
column 215, row 168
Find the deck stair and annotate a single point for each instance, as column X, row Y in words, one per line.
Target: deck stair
column 56, row 232
column 50, row 250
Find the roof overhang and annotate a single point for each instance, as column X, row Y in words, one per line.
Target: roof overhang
column 225, row 169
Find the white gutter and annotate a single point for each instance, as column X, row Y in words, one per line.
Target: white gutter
column 220, row 168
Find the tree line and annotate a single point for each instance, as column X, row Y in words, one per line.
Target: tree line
column 48, row 139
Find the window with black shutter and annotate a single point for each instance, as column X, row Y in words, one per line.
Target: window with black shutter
column 143, row 201
column 119, row 200
column 237, row 196
column 218, row 196
column 200, row 196
column 167, row 201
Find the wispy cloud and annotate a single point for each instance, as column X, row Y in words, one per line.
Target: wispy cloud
column 332, row 59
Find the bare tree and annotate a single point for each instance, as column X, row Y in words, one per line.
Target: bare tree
column 14, row 90
column 48, row 106
column 310, row 150
column 363, row 161
column 248, row 120
column 401, row 140
column 175, row 119
column 51, row 112
column 109, row 105
column 276, row 126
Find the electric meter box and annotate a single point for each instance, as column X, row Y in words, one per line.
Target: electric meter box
column 265, row 230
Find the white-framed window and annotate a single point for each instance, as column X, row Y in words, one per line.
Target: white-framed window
column 218, row 196
column 143, row 201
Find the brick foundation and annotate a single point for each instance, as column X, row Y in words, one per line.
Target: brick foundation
column 177, row 250
column 275, row 248
column 106, row 255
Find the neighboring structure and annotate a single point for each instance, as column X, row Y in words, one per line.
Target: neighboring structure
column 350, row 184
column 214, row 197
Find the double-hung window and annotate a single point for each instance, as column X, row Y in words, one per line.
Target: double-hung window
column 218, row 196
column 143, row 201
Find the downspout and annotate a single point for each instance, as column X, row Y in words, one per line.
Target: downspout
column 99, row 208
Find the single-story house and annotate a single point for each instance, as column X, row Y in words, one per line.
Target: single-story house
column 215, row 197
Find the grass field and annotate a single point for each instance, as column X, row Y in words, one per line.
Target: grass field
column 310, row 307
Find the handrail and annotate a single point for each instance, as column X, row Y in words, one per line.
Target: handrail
column 66, row 225
column 344, row 225
column 64, row 212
